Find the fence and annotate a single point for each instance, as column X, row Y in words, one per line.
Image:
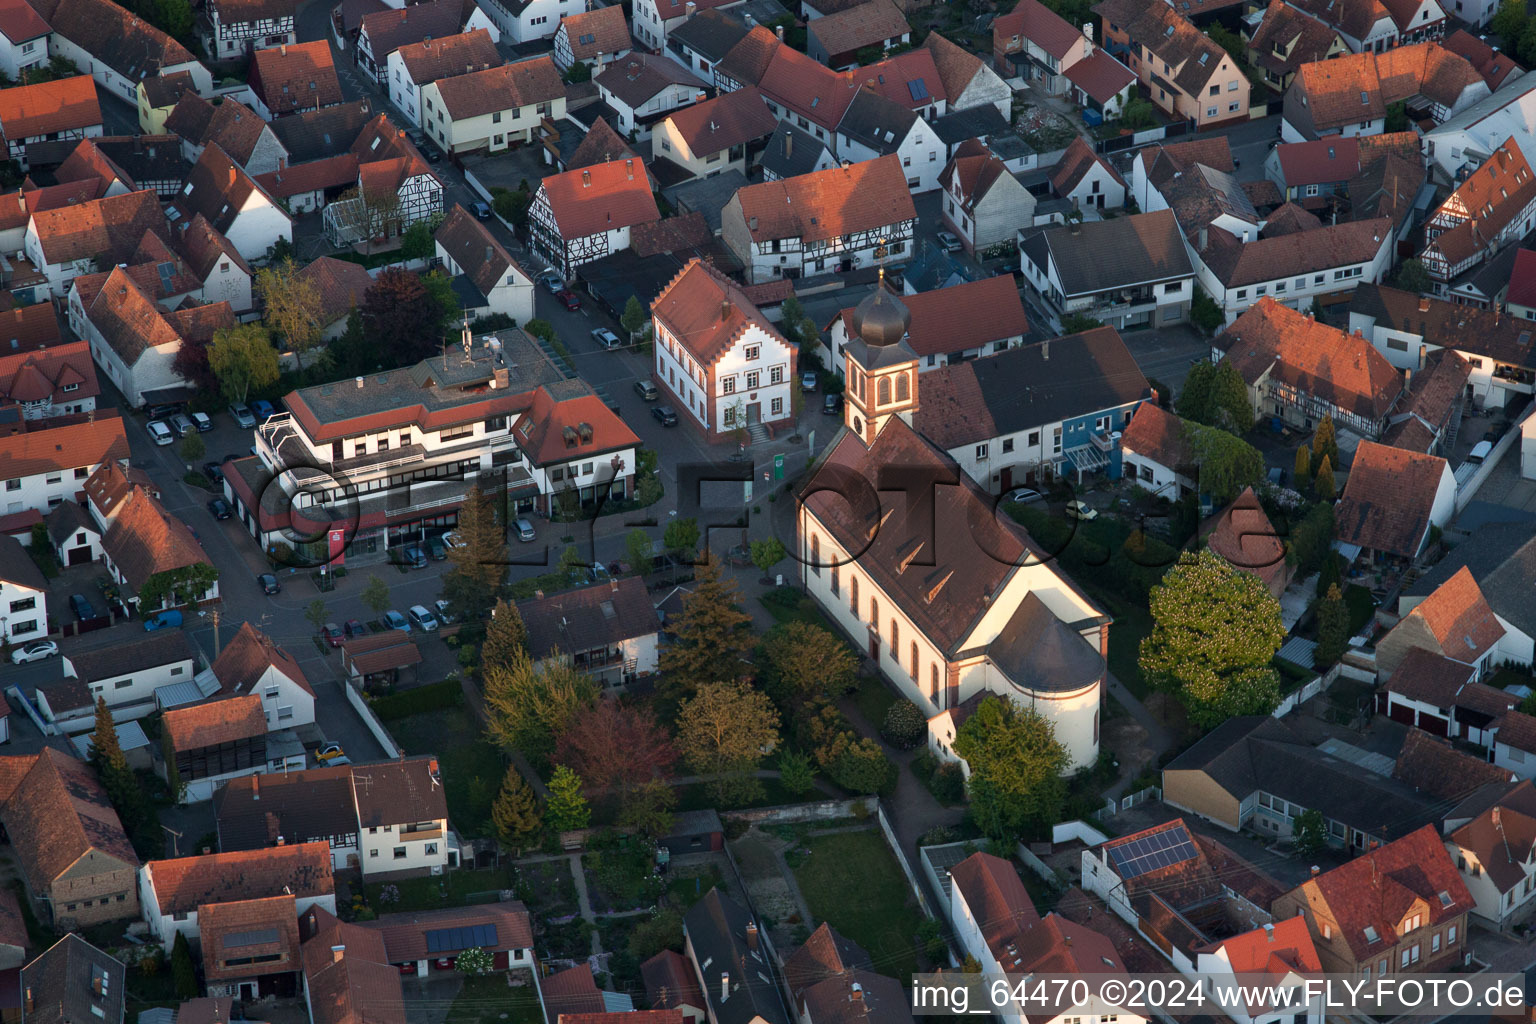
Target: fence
column 1466, row 491
column 901, row 857
column 1111, row 807
column 1144, row 138
column 391, row 748
column 1035, row 864
column 1067, row 831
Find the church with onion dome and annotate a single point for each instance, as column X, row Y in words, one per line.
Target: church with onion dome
column 916, row 564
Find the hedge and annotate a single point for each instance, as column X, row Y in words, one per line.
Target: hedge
column 422, row 699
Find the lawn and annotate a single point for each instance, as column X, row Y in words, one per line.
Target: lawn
column 873, row 699
column 852, row 881
column 472, row 768
column 450, row 889
column 488, row 1000
column 787, row 604
column 1131, row 626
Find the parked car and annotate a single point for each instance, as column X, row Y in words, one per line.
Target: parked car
column 354, row 628
column 605, row 338
column 242, row 415
column 436, row 549
column 451, row 539
column 214, row 471
column 422, row 618
column 808, row 380
column 646, row 390
column 159, row 432
column 332, row 634
column 524, row 528
column 261, row 409
column 202, row 421
column 1479, row 452
column 268, row 584
column 445, row 963
column 394, row 620
column 169, row 618
column 482, row 210
column 220, row 509
column 181, row 424
column 164, row 410
column 1023, row 496
column 569, row 298
column 81, row 607
column 408, row 969
column 665, row 415
column 948, row 241
column 551, row 281
column 329, row 752
column 1081, row 510
column 443, row 611
column 414, row 557
column 40, row 650
column 831, row 405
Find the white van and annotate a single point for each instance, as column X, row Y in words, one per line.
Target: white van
column 1479, row 452
column 159, row 432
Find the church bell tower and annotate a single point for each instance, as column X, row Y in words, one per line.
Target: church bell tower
column 880, row 368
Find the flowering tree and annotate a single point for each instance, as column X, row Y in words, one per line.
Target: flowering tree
column 1215, row 630
column 473, row 962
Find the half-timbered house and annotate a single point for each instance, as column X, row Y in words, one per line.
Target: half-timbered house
column 395, row 188
column 841, row 219
column 48, row 111
column 1493, row 208
column 234, row 28
column 585, row 214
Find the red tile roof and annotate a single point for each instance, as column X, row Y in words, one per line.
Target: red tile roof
column 868, row 24
column 521, row 84
column 1101, row 76
column 572, row 991
column 707, row 311
column 957, row 66
column 1494, row 66
column 1333, row 88
column 1244, row 536
column 965, row 316
column 1342, row 369
column 351, row 985
column 602, row 31
column 999, row 904
column 670, row 981
column 603, row 197
column 1381, row 888
column 63, row 105
column 1272, row 952
column 246, row 659
column 295, row 76
column 249, row 938
column 1486, row 204
column 1333, row 159
column 1036, row 22
column 145, row 539
column 1503, row 835
column 895, row 77
column 317, row 175
column 1075, row 163
column 56, row 813
column 1522, row 280
column 826, row 204
column 553, row 431
column 43, row 448
column 341, row 284
column 1518, row 730
column 432, row 59
column 1388, row 499
column 107, row 230
column 183, row 884
column 36, row 376
column 730, row 119
column 1157, row 434
column 1459, row 617
column 1432, row 765
column 405, row 934
column 213, row 723
column 20, row 23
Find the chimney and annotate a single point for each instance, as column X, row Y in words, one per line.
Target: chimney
column 856, row 992
column 1498, row 821
column 690, row 7
column 751, row 925
column 1269, row 932
column 359, row 381
column 30, row 1004
column 586, row 179
column 336, row 953
column 629, row 168
column 489, row 252
column 613, row 587
column 725, row 985
column 1045, row 350
column 282, row 51
column 779, row 31
column 789, row 144
column 1315, row 870
column 1423, row 303
column 725, row 309
column 255, row 787
column 280, row 840
column 539, row 594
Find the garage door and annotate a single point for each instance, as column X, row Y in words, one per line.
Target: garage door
column 78, row 556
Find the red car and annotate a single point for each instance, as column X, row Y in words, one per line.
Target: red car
column 408, row 969
column 445, row 963
column 332, row 634
column 568, row 297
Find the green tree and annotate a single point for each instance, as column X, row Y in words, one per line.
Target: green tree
column 1077, row 323
column 479, row 560
column 1325, row 443
column 528, row 708
column 862, row 767
column 1332, row 628
column 652, row 935
column 1327, row 490
column 515, row 814
column 1509, row 22
column 566, row 809
column 634, row 317
column 1397, row 117
column 578, row 72
column 117, row 778
column 1227, row 463
column 723, row 731
column 1302, row 471
column 1016, row 767
column 173, row 17
column 416, row 242
column 192, row 448
column 806, row 665
column 1204, row 313
column 647, row 809
column 1138, row 113
column 175, row 587
column 402, row 320
column 682, row 537
column 1194, row 402
column 1309, row 833
column 905, row 725
column 505, row 636
column 317, row 614
column 1412, row 277
column 292, row 306
column 637, row 546
column 1527, row 48
column 713, row 635
column 1311, row 539
column 796, row 773
column 243, row 360
column 376, row 595
column 1230, row 408
column 1214, row 632
column 183, row 970
column 767, row 553
column 1230, row 42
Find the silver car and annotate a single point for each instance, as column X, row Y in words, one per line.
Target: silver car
column 605, row 338
column 181, row 424
column 524, row 530
column 421, row 618
column 159, row 432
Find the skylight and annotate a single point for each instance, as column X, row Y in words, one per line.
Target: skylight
column 1364, row 96
column 1445, row 898
column 1370, row 934
column 918, row 88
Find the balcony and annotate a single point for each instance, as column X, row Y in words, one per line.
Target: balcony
column 1102, row 441
column 421, row 835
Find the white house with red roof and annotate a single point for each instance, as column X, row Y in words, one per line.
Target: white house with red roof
column 527, row 21
column 984, row 204
column 1274, row 958
column 963, row 322
column 724, row 366
column 55, row 381
column 252, row 664
column 584, row 214
column 24, row 38
column 653, row 19
column 47, row 465
column 23, row 592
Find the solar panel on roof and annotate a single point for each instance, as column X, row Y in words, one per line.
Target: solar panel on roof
column 1149, row 853
column 918, row 88
column 444, row 940
column 256, row 938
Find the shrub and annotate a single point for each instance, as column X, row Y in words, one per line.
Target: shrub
column 939, row 835
column 948, row 784
column 431, row 697
column 904, row 725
